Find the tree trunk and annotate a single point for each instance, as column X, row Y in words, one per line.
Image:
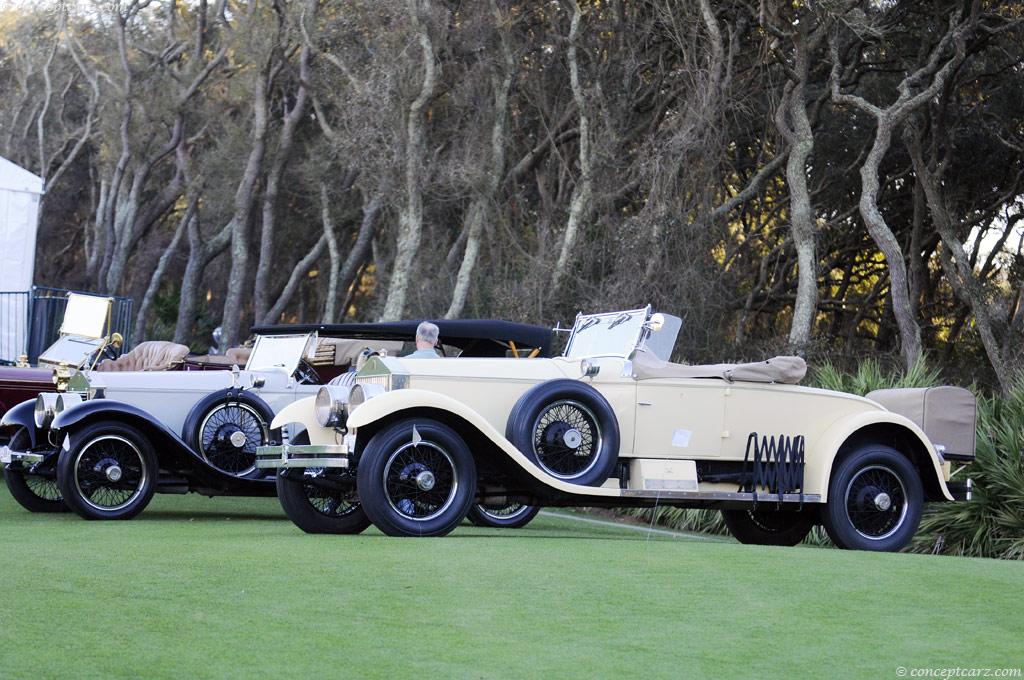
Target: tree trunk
column 481, row 207
column 582, row 196
column 410, row 220
column 241, row 221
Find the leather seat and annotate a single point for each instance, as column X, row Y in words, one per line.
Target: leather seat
column 152, row 355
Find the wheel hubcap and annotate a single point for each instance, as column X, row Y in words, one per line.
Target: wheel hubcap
column 229, row 435
column 420, row 481
column 567, row 439
column 876, row 502
column 110, row 472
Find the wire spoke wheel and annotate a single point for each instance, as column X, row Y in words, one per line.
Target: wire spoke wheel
column 332, row 503
column 509, row 516
column 229, row 436
column 566, row 439
column 420, row 481
column 43, row 487
column 110, row 473
column 510, row 511
column 35, row 492
column 876, row 502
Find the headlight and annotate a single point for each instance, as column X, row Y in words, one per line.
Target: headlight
column 46, row 404
column 331, row 402
column 363, row 392
column 67, row 400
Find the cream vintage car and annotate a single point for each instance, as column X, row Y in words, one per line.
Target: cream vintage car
column 415, row 443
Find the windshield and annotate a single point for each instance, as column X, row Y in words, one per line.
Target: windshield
column 619, row 334
column 278, row 352
column 86, row 315
column 73, row 350
column 611, row 334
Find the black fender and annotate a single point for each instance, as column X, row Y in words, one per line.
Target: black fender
column 24, row 414
column 173, row 454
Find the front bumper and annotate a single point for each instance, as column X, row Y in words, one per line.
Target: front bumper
column 303, row 456
column 9, row 455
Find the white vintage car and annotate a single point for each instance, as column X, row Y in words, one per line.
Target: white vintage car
column 613, row 423
column 139, row 425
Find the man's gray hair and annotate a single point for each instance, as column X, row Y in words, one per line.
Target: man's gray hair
column 428, row 332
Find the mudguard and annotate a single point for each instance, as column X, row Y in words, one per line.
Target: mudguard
column 818, row 468
column 172, row 452
column 23, row 415
column 394, row 403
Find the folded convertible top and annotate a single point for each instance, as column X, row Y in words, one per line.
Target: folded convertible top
column 785, row 369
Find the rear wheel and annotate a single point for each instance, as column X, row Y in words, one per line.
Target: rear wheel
column 416, row 478
column 875, row 500
column 511, row 516
column 769, row 527
column 35, row 492
column 109, row 472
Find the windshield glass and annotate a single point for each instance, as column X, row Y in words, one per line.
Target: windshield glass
column 278, row 352
column 85, row 315
column 611, row 334
column 73, row 350
column 618, row 334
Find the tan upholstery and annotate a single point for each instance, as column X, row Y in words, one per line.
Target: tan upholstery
column 153, row 355
column 345, row 352
column 238, row 355
column 784, row 369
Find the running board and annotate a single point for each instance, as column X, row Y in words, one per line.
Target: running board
column 722, row 496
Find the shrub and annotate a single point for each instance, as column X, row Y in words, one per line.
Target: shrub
column 992, row 524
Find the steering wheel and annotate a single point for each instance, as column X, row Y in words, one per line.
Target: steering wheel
column 306, row 374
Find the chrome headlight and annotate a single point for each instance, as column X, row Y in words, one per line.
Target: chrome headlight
column 363, row 392
column 66, row 401
column 332, row 405
column 46, row 404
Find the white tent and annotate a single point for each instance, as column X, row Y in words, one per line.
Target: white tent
column 19, row 214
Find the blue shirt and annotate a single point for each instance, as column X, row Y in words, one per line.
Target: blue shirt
column 423, row 354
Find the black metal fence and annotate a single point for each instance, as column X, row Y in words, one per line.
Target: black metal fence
column 30, row 321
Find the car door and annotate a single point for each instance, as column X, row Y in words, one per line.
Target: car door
column 678, row 418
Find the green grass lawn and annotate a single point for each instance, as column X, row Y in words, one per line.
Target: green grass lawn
column 229, row 588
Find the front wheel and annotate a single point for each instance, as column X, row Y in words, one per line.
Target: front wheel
column 35, row 492
column 511, row 516
column 109, row 472
column 416, row 478
column 768, row 527
column 317, row 508
column 875, row 500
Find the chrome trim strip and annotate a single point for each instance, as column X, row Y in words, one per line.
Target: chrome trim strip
column 723, row 496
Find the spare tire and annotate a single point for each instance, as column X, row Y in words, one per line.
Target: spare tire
column 226, row 427
column 568, row 430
